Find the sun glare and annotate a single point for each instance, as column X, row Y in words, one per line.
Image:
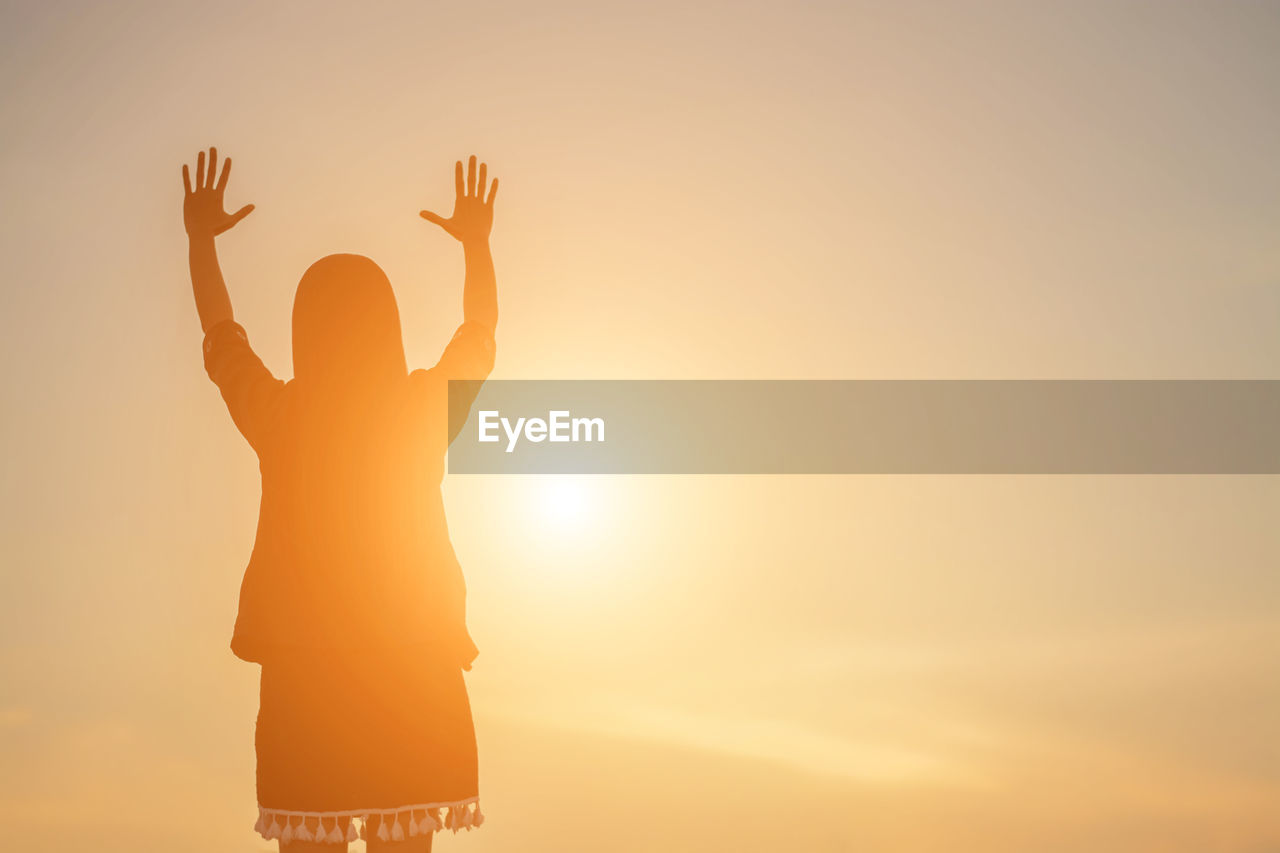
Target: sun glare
column 564, row 503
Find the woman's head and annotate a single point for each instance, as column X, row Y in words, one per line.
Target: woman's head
column 346, row 326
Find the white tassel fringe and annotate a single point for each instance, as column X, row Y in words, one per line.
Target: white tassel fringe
column 386, row 824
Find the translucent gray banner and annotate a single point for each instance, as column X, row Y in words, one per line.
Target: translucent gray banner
column 866, row 427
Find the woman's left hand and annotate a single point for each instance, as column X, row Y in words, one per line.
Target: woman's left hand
column 202, row 210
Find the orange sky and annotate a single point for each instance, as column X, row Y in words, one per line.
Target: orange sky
column 738, row 190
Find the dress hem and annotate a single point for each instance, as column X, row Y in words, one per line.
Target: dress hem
column 393, row 824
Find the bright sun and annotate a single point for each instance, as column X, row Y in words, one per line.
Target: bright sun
column 564, row 502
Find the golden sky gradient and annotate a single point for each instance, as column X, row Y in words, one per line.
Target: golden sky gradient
column 731, row 190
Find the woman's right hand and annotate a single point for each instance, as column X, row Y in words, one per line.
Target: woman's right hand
column 202, row 210
column 472, row 217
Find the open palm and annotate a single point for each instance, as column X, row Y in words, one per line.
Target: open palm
column 202, row 208
column 472, row 218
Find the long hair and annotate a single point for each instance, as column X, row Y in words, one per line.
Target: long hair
column 347, row 343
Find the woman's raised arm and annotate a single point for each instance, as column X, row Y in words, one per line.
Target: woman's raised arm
column 204, row 217
column 470, row 225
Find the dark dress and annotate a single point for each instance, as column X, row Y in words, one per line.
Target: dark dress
column 353, row 601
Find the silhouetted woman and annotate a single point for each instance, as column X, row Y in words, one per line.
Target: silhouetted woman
column 353, row 601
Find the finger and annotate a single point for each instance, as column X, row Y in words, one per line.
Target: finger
column 493, row 192
column 186, row 178
column 226, row 173
column 200, row 170
column 213, row 167
column 471, row 175
column 457, row 178
column 481, row 183
column 238, row 215
column 432, row 217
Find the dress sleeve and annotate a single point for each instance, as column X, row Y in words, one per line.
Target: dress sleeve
column 252, row 394
column 468, row 360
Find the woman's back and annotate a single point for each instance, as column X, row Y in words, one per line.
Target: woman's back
column 353, row 547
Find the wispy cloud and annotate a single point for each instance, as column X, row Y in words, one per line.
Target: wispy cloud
column 876, row 760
